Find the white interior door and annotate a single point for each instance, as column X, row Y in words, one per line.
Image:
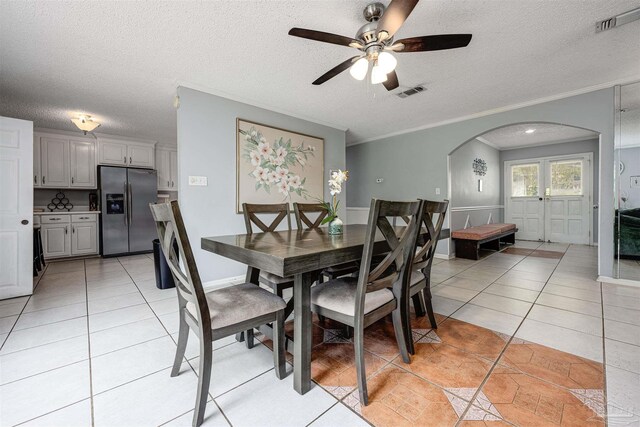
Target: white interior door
column 524, row 205
column 549, row 199
column 568, row 200
column 16, row 207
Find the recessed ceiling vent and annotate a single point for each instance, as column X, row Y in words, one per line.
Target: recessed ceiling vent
column 411, row 91
column 616, row 21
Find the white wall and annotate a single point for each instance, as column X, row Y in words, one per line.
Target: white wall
column 207, row 147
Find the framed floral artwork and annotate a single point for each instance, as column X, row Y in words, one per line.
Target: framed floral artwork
column 276, row 165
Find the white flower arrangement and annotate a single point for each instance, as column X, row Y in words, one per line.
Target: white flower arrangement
column 336, row 181
column 272, row 164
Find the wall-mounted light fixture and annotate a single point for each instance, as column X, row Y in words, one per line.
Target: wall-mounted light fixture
column 85, row 123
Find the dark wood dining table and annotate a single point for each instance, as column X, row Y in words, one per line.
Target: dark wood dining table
column 301, row 254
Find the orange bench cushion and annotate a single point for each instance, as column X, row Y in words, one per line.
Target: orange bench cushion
column 482, row 231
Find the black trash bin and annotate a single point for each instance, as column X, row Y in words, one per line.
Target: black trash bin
column 164, row 278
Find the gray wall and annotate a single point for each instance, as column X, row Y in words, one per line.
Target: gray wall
column 207, row 147
column 562, row 149
column 414, row 164
column 631, row 159
column 464, row 185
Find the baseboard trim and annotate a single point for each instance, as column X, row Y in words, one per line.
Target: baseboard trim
column 625, row 282
column 444, row 256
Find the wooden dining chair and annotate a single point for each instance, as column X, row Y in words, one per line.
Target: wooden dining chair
column 216, row 314
column 304, row 221
column 377, row 291
column 432, row 219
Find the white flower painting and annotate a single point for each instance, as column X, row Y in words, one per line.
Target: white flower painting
column 276, row 166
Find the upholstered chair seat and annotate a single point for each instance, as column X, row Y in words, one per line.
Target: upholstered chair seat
column 339, row 295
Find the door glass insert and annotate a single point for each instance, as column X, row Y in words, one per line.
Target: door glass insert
column 566, row 178
column 524, row 180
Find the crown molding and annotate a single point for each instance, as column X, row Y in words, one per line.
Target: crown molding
column 486, row 142
column 563, row 95
column 275, row 109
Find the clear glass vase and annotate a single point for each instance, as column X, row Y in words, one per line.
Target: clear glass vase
column 335, row 226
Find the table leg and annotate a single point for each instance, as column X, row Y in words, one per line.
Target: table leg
column 302, row 332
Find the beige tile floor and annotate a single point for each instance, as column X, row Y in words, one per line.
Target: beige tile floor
column 94, row 345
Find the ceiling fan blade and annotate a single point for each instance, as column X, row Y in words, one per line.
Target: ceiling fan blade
column 438, row 42
column 393, row 17
column 335, row 71
column 392, row 81
column 321, row 36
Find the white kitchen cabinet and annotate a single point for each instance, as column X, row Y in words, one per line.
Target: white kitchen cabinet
column 167, row 166
column 84, row 238
column 56, row 240
column 126, row 153
column 37, row 178
column 112, row 152
column 141, row 155
column 54, row 162
column 83, row 163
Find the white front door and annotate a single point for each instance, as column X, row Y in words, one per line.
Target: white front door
column 16, row 207
column 525, row 207
column 549, row 199
column 567, row 200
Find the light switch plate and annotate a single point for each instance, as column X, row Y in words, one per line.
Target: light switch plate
column 200, row 181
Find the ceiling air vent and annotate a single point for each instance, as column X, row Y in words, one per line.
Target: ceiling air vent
column 411, row 91
column 616, row 21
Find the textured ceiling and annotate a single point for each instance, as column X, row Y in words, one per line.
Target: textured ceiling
column 122, row 61
column 545, row 133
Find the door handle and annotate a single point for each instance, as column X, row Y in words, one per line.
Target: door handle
column 171, row 184
column 126, row 203
column 24, row 222
column 540, row 198
column 130, row 194
column 168, row 184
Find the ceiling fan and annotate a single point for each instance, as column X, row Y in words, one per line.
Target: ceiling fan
column 375, row 42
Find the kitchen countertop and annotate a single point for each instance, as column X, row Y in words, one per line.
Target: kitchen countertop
column 66, row 212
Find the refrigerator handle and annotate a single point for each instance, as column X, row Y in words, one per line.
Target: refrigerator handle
column 130, row 197
column 126, row 205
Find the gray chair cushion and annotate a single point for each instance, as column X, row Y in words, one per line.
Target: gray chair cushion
column 235, row 304
column 273, row 278
column 417, row 277
column 339, row 295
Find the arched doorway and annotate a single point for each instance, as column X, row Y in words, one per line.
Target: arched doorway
column 542, row 176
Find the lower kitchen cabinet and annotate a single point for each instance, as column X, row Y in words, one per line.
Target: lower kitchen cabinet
column 69, row 235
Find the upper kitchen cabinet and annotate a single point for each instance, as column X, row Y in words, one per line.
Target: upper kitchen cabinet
column 60, row 161
column 126, row 153
column 54, row 163
column 167, row 166
column 83, row 163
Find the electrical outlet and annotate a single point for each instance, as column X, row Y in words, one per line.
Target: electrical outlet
column 379, row 180
column 200, row 181
column 437, row 190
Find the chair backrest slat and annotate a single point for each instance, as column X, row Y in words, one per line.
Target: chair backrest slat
column 427, row 239
column 302, row 219
column 172, row 234
column 251, row 212
column 394, row 265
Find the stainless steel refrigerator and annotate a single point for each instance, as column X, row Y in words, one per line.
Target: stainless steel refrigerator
column 126, row 224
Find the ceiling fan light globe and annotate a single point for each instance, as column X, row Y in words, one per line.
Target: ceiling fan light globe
column 387, row 62
column 359, row 69
column 378, row 75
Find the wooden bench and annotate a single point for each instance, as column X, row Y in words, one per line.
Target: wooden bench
column 470, row 240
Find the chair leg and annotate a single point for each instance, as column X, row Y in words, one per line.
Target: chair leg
column 405, row 318
column 399, row 328
column 358, row 343
column 279, row 361
column 249, row 338
column 240, row 336
column 204, row 378
column 183, row 336
column 418, row 304
column 432, row 317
